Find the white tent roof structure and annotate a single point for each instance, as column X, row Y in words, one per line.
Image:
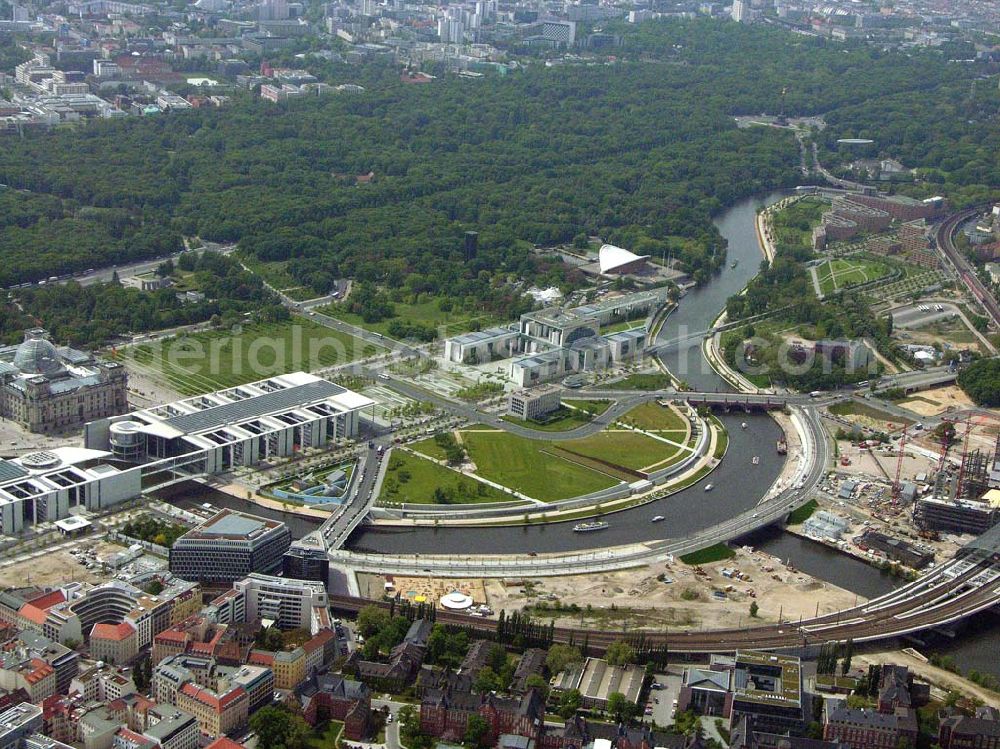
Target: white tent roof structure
column 456, row 601
column 611, row 258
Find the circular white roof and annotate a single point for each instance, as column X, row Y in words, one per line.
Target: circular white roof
column 611, row 257
column 456, row 601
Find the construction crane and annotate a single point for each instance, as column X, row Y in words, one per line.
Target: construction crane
column 944, row 445
column 897, row 487
column 965, row 452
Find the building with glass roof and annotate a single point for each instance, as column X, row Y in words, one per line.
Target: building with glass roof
column 46, row 388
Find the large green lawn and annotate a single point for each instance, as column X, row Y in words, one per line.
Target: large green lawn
column 219, row 359
column 839, row 273
column 627, row 449
column 426, row 312
column 523, row 465
column 562, row 420
column 410, row 478
column 654, row 417
column 654, row 381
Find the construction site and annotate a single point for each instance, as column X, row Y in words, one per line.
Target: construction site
column 903, row 493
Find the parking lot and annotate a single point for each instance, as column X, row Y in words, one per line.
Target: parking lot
column 918, row 315
column 663, row 700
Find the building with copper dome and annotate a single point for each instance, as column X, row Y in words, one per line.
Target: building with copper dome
column 47, row 388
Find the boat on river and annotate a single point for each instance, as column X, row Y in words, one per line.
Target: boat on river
column 595, row 525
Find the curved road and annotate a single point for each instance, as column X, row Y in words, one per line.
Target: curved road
column 740, row 485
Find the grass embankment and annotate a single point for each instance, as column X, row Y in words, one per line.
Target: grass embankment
column 853, row 408
column 708, row 555
column 803, row 513
column 654, row 381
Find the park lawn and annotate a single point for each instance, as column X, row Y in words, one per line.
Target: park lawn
column 562, row 420
column 410, row 478
column 426, row 312
column 626, row 449
column 655, row 381
column 594, row 407
column 217, row 359
column 430, row 448
column 654, row 417
column 839, row 273
column 521, row 464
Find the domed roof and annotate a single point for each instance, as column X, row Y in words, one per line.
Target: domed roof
column 37, row 356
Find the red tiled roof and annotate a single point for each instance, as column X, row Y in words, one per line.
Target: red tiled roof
column 33, row 613
column 114, row 632
column 172, row 635
column 261, row 658
column 207, row 697
column 318, row 640
column 39, row 670
column 48, row 600
column 223, row 743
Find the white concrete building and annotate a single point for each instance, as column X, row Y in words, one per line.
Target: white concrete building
column 238, row 426
column 287, row 603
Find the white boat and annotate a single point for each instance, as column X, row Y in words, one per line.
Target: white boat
column 743, row 425
column 709, row 487
column 596, row 525
column 657, row 518
column 756, row 460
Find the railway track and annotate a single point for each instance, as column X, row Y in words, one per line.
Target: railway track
column 945, row 242
column 932, row 600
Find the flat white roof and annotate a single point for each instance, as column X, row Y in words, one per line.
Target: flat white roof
column 72, row 523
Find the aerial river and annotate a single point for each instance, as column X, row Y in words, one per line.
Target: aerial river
column 737, row 486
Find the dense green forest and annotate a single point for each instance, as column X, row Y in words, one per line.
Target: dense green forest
column 950, row 134
column 91, row 315
column 10, row 53
column 981, row 381
column 641, row 152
